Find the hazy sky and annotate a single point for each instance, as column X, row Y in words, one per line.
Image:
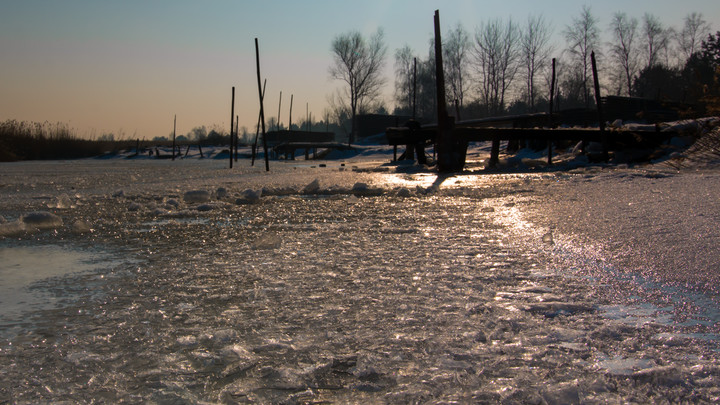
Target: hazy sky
column 128, row 66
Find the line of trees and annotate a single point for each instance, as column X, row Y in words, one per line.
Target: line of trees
column 504, row 66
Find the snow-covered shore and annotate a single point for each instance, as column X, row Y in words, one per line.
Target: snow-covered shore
column 357, row 281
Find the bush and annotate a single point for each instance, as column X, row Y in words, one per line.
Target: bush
column 45, row 141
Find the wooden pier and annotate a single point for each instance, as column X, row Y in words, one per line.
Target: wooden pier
column 500, row 129
column 287, row 142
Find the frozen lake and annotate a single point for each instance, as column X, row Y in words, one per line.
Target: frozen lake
column 189, row 282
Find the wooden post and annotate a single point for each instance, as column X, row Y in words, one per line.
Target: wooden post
column 232, row 116
column 290, row 120
column 257, row 131
column 451, row 152
column 552, row 100
column 262, row 110
column 174, row 129
column 278, row 117
column 598, row 101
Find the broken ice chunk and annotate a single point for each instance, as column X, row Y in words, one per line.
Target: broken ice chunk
column 249, row 196
column 42, row 220
column 196, row 196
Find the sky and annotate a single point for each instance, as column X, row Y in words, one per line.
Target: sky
column 128, row 67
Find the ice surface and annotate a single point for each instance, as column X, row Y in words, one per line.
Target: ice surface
column 29, row 276
column 371, row 287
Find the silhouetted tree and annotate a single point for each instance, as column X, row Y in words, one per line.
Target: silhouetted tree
column 583, row 37
column 689, row 38
column 710, row 50
column 455, row 53
column 427, row 93
column 198, row 134
column 339, row 114
column 358, row 62
column 623, row 50
column 536, row 49
column 658, row 82
column 655, row 39
column 426, row 97
column 711, row 54
column 497, row 52
column 701, row 74
column 404, row 61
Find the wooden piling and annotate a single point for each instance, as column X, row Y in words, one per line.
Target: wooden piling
column 174, row 129
column 262, row 111
column 451, row 151
column 232, row 118
column 257, row 131
column 290, row 120
column 278, row 117
column 598, row 101
column 550, row 119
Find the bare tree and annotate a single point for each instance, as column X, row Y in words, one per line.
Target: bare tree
column 623, row 49
column 496, row 54
column 426, row 90
column 656, row 39
column 359, row 62
column 536, row 49
column 695, row 28
column 455, row 50
column 339, row 112
column 583, row 37
column 404, row 63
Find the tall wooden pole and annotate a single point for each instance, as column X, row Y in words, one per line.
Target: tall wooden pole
column 451, row 151
column 290, row 120
column 278, row 117
column 552, row 100
column 262, row 110
column 232, row 120
column 257, row 131
column 598, row 101
column 174, row 129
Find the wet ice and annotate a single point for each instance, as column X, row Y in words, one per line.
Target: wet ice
column 365, row 288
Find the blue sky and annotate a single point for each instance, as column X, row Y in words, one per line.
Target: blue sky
column 127, row 67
